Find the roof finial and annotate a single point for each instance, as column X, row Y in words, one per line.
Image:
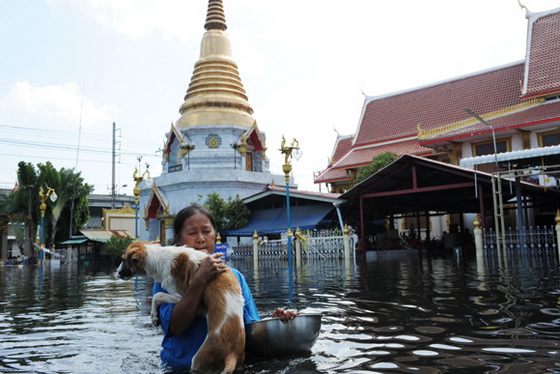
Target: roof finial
column 527, row 12
column 215, row 18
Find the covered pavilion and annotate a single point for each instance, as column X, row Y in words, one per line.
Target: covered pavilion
column 425, row 187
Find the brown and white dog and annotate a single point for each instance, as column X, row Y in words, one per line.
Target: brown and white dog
column 174, row 267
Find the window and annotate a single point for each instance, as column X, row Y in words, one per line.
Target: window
column 549, row 138
column 487, row 147
column 175, row 159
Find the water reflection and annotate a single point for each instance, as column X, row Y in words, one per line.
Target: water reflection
column 398, row 314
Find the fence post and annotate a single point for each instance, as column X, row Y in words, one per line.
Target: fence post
column 557, row 220
column 478, row 237
column 346, row 241
column 298, row 247
column 256, row 247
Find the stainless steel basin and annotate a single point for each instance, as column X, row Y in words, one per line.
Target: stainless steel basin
column 271, row 337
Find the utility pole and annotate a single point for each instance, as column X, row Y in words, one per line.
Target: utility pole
column 113, row 195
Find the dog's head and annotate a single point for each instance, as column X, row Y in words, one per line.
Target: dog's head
column 134, row 258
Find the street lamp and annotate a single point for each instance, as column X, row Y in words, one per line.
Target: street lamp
column 44, row 196
column 472, row 113
column 287, row 168
column 138, row 179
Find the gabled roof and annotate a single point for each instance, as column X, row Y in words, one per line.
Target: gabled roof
column 543, row 54
column 331, row 175
column 156, row 200
column 362, row 156
column 409, row 121
column 342, row 145
column 398, row 115
column 296, row 194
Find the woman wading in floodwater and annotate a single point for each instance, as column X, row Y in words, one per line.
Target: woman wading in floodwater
column 184, row 329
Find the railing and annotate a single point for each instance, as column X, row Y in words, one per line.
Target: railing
column 318, row 244
column 532, row 240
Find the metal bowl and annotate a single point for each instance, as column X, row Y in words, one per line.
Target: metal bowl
column 271, row 337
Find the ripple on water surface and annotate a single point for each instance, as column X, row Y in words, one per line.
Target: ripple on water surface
column 396, row 315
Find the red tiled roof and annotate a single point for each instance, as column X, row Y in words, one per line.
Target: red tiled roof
column 547, row 112
column 341, row 147
column 543, row 57
column 332, row 175
column 398, row 115
column 363, row 156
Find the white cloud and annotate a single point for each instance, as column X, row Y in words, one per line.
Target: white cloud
column 63, row 102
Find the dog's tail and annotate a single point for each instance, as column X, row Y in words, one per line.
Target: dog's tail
column 231, row 364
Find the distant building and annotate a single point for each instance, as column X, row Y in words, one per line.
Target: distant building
column 101, row 215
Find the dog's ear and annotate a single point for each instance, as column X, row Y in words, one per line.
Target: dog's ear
column 129, row 259
column 134, row 253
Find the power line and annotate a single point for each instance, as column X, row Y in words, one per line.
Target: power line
column 65, row 136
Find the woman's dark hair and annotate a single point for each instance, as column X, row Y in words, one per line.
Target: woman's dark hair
column 184, row 215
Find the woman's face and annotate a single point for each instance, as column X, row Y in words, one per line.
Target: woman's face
column 198, row 233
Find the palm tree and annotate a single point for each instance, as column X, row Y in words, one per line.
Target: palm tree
column 23, row 203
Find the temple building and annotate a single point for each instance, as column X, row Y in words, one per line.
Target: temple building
column 504, row 121
column 519, row 103
column 215, row 146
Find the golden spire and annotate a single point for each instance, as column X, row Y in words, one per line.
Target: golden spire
column 215, row 19
column 215, row 95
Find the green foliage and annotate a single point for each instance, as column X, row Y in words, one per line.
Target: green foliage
column 217, row 205
column 116, row 245
column 377, row 163
column 231, row 214
column 23, row 205
column 237, row 214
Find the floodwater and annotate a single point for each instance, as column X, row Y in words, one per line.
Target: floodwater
column 401, row 313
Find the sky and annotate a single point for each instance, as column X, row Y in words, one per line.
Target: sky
column 69, row 69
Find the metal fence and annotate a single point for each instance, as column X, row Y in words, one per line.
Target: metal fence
column 317, row 244
column 531, row 240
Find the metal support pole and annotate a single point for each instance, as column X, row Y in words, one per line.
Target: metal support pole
column 289, row 233
column 136, row 222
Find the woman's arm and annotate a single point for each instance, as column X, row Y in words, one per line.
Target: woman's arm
column 185, row 311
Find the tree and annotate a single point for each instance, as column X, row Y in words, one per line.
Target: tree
column 24, row 202
column 116, row 245
column 71, row 203
column 237, row 214
column 229, row 215
column 217, row 206
column 377, row 163
column 24, row 205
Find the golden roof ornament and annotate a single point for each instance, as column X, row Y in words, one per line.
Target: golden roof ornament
column 215, row 96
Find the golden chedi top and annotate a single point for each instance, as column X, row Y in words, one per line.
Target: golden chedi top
column 215, row 96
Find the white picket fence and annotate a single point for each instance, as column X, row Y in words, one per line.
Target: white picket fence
column 318, row 244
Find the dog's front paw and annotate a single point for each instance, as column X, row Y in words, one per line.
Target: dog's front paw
column 155, row 319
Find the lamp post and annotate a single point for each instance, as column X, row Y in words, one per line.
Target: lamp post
column 287, row 168
column 44, row 196
column 472, row 113
column 138, row 179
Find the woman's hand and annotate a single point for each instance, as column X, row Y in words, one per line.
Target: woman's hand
column 211, row 267
column 285, row 315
